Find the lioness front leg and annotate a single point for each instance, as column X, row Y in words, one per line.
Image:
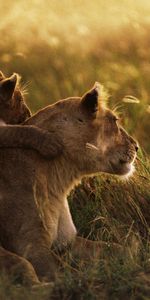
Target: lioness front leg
column 81, row 247
column 85, row 249
column 66, row 229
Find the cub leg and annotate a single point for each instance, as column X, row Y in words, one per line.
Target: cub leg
column 18, row 268
column 31, row 137
column 43, row 261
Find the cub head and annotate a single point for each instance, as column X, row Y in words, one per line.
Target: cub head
column 13, row 109
column 92, row 137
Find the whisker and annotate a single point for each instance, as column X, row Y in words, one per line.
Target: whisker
column 24, row 87
column 91, row 146
column 117, row 107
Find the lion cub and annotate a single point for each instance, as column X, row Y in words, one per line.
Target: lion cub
column 13, row 110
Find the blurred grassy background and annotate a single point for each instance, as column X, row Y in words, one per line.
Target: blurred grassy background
column 62, row 47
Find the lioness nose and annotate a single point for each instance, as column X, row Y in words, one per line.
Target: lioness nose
column 134, row 143
column 136, row 148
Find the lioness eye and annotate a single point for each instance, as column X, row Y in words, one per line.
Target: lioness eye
column 116, row 119
column 80, row 120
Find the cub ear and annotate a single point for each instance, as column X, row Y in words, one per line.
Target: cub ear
column 7, row 87
column 90, row 100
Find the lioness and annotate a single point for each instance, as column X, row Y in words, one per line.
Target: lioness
column 34, row 212
column 13, row 110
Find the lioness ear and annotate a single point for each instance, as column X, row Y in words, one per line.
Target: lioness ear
column 7, row 87
column 90, row 99
column 1, row 75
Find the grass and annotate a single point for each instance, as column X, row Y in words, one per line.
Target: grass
column 80, row 43
column 104, row 208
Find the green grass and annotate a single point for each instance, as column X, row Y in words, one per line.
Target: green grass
column 104, row 208
column 75, row 46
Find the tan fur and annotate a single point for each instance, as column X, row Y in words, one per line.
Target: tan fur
column 13, row 110
column 34, row 212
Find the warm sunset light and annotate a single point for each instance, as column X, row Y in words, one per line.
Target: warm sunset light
column 70, row 44
column 75, row 175
column 70, row 21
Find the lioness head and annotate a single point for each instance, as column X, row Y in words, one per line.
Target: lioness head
column 13, row 109
column 92, row 137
